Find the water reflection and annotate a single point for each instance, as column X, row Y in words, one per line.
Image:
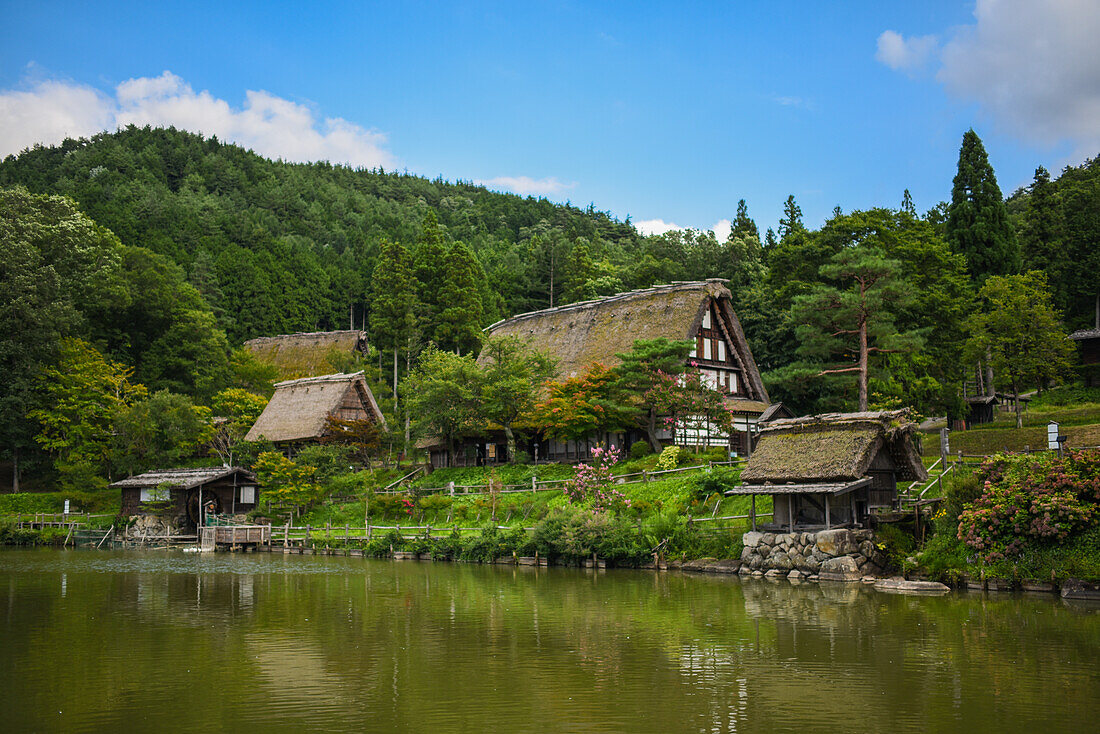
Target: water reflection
column 172, row 642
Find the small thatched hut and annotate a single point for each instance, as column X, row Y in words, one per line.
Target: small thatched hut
column 1088, row 345
column 178, row 494
column 299, row 410
column 309, row 354
column 579, row 335
column 833, row 469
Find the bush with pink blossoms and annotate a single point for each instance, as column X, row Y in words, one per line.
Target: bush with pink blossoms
column 1031, row 498
column 592, row 483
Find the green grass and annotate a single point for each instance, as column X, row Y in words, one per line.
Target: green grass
column 947, row 559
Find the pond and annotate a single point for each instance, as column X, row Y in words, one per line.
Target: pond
column 166, row 641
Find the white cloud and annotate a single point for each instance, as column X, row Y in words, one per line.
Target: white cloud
column 722, row 229
column 272, row 126
column 527, row 186
column 655, row 226
column 904, row 54
column 1032, row 66
column 49, row 113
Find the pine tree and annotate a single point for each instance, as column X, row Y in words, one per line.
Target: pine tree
column 429, row 259
column 743, row 226
column 1039, row 239
column 977, row 218
column 460, row 320
column 394, row 305
column 792, row 218
column 907, row 206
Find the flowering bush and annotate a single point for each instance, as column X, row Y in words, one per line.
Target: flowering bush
column 593, row 482
column 1027, row 498
column 668, row 459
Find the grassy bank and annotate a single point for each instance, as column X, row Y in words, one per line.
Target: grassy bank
column 11, row 535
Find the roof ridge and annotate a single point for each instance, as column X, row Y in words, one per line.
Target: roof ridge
column 337, row 377
column 625, row 295
column 304, row 333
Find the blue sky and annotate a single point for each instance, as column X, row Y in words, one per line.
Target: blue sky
column 666, row 112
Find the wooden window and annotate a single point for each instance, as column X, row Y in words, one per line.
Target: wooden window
column 721, row 350
column 248, row 495
column 706, row 318
column 706, row 349
column 733, row 382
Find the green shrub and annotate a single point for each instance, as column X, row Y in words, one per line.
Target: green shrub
column 640, row 450
column 716, row 481
column 896, row 544
column 669, row 458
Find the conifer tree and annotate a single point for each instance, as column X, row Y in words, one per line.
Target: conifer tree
column 977, row 218
column 429, row 257
column 1039, row 241
column 460, row 319
column 393, row 313
column 743, row 226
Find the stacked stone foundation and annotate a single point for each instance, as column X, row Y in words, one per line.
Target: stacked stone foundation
column 827, row 555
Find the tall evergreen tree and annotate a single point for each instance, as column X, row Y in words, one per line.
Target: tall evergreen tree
column 429, row 263
column 977, row 218
column 743, row 226
column 393, row 313
column 1039, row 237
column 907, row 206
column 792, row 218
column 460, row 320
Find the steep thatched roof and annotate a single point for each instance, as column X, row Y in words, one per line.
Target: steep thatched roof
column 299, row 408
column 184, row 478
column 581, row 334
column 834, row 447
column 1083, row 334
column 307, row 354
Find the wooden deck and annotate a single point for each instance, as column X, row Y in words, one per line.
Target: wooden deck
column 234, row 536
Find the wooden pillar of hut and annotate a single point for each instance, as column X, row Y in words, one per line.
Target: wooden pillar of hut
column 790, row 512
column 828, row 524
column 752, row 511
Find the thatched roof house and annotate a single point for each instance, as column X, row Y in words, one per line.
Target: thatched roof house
column 579, row 335
column 808, row 464
column 232, row 489
column 308, row 354
column 300, row 409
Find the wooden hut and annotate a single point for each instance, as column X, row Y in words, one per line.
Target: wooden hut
column 1088, row 346
column 178, row 494
column 833, row 469
column 980, row 409
column 579, row 335
column 309, row 354
column 299, row 410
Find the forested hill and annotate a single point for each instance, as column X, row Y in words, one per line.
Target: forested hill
column 281, row 247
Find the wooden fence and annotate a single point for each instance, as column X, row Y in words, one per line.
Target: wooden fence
column 543, row 485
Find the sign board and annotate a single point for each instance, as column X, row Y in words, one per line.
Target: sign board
column 66, row 507
column 945, row 442
column 491, row 450
column 1052, row 436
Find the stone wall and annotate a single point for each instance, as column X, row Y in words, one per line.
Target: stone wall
column 827, row 555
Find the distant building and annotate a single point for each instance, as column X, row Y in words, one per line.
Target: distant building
column 579, row 335
column 299, row 410
column 832, row 469
column 179, row 494
column 309, row 354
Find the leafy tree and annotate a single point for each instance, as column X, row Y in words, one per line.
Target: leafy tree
column 56, row 265
column 854, row 317
column 249, row 373
column 461, row 315
column 443, row 392
column 288, row 485
column 978, row 226
column 1020, row 332
column 85, row 393
column 235, row 411
column 161, row 431
column 513, row 376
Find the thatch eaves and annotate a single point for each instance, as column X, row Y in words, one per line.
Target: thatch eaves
column 833, row 447
column 307, row 354
column 579, row 335
column 183, row 478
column 299, row 409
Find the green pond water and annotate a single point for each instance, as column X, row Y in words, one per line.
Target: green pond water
column 165, row 641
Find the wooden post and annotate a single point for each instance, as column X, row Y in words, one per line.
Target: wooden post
column 534, row 484
column 790, row 513
column 828, row 524
column 645, row 477
column 286, row 534
column 752, row 512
